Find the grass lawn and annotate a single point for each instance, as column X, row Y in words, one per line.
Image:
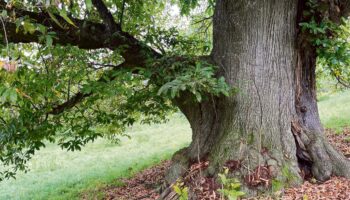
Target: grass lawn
column 335, row 110
column 57, row 174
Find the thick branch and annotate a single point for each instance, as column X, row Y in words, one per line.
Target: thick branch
column 88, row 35
column 76, row 99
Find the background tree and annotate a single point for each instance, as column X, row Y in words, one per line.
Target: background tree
column 75, row 66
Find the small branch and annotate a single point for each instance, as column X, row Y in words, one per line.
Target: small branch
column 203, row 20
column 88, row 35
column 103, row 65
column 5, row 34
column 77, row 98
column 340, row 80
column 106, row 16
column 3, row 120
column 80, row 96
column 122, row 14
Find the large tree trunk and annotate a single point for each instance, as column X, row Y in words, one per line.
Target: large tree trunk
column 273, row 120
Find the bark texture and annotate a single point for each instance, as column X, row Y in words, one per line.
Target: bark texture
column 273, row 120
column 313, row 149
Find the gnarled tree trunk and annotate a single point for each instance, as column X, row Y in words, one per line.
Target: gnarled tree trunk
column 273, row 120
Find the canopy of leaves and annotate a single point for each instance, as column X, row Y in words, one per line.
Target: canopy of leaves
column 54, row 88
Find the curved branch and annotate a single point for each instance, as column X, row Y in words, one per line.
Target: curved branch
column 339, row 79
column 86, row 35
column 77, row 98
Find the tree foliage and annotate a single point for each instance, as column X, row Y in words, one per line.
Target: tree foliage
column 332, row 42
column 57, row 87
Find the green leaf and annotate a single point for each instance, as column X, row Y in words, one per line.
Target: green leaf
column 223, row 178
column 63, row 14
column 177, row 189
column 4, row 13
column 42, row 28
column 13, row 95
column 88, row 4
column 10, row 95
column 49, row 40
column 52, row 16
column 235, row 185
column 28, row 27
column 198, row 96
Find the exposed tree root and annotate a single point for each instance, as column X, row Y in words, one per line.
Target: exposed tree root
column 145, row 184
column 315, row 155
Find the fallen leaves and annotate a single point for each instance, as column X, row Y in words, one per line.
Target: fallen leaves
column 340, row 141
column 143, row 185
column 260, row 176
column 337, row 188
column 202, row 187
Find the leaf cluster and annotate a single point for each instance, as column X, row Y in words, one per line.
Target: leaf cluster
column 231, row 187
column 48, row 77
column 332, row 43
column 195, row 76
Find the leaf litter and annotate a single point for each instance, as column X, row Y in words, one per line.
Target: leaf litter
column 147, row 184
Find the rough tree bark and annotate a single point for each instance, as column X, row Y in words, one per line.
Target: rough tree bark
column 273, row 121
column 313, row 148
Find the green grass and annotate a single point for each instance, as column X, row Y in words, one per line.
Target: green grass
column 57, row 174
column 335, row 110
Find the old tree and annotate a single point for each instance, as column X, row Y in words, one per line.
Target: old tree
column 249, row 91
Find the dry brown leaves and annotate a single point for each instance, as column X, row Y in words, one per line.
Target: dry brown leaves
column 142, row 186
column 202, row 187
column 260, row 176
column 233, row 165
column 336, row 188
column 340, row 141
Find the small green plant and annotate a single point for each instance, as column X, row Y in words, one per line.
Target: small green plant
column 231, row 187
column 181, row 190
column 276, row 188
column 277, row 185
column 290, row 178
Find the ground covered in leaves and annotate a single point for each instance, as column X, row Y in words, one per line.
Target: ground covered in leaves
column 147, row 184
